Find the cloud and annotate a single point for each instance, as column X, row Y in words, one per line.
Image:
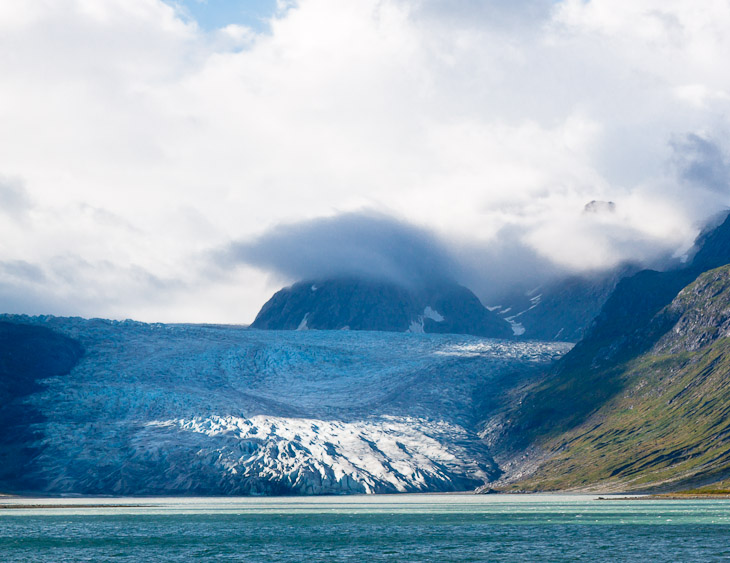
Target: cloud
column 53, row 287
column 22, row 271
column 144, row 140
column 363, row 244
column 702, row 163
column 368, row 244
column 478, row 13
column 14, row 199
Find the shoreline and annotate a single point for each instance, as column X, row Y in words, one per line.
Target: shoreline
column 25, row 501
column 675, row 496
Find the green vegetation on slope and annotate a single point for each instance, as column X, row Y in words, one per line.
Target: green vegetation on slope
column 658, row 416
column 592, row 373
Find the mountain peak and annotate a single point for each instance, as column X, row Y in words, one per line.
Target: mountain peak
column 359, row 304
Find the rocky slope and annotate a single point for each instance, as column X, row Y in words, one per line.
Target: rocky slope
column 566, row 309
column 666, row 421
column 563, row 309
column 183, row 409
column 625, row 328
column 357, row 304
column 611, row 399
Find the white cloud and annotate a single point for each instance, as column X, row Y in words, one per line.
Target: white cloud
column 143, row 141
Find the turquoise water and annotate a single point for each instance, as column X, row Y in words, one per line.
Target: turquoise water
column 366, row 528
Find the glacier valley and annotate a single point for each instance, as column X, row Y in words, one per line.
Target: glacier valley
column 197, row 409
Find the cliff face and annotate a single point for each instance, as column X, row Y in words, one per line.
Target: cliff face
column 700, row 314
column 355, row 304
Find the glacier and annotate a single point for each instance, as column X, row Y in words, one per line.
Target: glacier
column 207, row 409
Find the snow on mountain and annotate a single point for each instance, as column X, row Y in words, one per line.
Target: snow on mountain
column 171, row 409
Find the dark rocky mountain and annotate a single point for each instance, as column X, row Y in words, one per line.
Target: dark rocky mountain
column 358, row 304
column 27, row 354
column 561, row 310
column 641, row 401
column 566, row 309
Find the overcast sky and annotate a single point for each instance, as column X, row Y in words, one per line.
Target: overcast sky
column 142, row 141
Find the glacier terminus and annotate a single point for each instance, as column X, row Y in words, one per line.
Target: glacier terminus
column 154, row 409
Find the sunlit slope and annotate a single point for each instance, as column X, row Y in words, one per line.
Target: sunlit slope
column 667, row 421
column 164, row 409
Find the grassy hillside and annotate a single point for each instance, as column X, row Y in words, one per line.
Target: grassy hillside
column 657, row 416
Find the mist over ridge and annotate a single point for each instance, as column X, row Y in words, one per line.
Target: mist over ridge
column 369, row 245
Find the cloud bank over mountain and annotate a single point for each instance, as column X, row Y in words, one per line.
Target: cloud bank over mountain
column 361, row 245
column 137, row 142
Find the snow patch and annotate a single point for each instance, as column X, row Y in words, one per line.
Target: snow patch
column 517, row 328
column 432, row 314
column 416, row 327
column 303, row 324
column 533, row 291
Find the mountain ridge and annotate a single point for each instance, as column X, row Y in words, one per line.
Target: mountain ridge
column 361, row 304
column 656, row 328
column 668, row 425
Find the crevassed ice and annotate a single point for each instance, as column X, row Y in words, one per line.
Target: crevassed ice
column 387, row 454
column 169, row 409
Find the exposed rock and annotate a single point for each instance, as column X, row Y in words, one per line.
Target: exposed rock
column 596, row 206
column 562, row 309
column 641, row 402
column 357, row 304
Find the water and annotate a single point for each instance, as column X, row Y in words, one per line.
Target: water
column 366, row 528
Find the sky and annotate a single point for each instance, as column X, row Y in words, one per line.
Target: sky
column 179, row 161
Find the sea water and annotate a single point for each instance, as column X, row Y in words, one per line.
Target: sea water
column 448, row 527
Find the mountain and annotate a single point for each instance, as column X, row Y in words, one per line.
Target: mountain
column 358, row 304
column 639, row 402
column 665, row 422
column 129, row 408
column 28, row 354
column 642, row 402
column 562, row 309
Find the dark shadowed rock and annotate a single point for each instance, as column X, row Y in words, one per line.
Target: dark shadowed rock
column 356, row 304
column 562, row 309
column 27, row 354
column 596, row 206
